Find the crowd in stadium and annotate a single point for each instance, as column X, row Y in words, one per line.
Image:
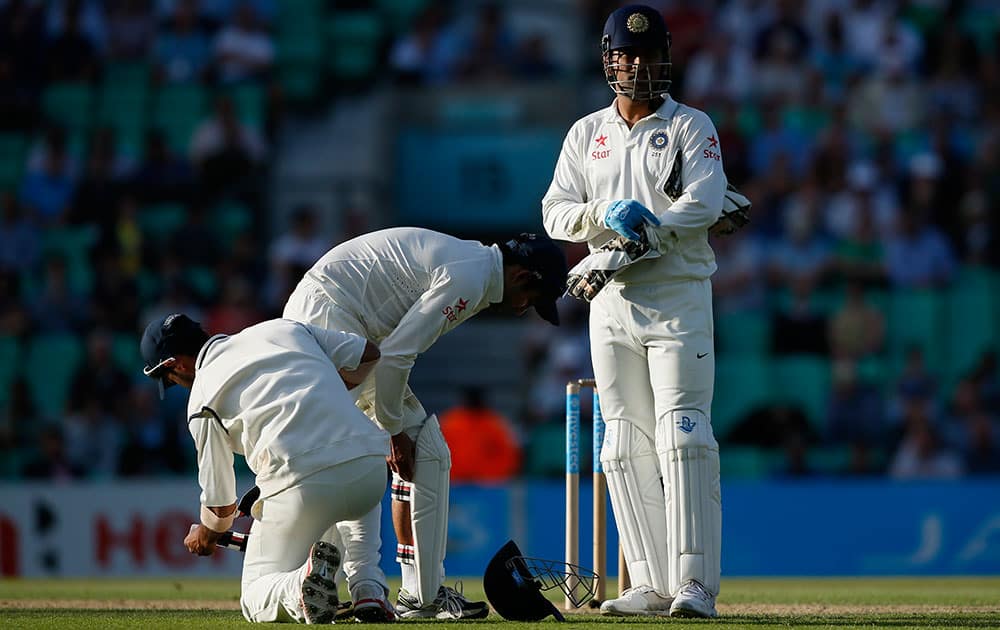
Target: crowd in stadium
column 135, row 136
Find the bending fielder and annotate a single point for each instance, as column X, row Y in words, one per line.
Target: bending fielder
column 277, row 394
column 403, row 288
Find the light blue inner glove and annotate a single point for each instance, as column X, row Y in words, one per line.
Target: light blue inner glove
column 625, row 216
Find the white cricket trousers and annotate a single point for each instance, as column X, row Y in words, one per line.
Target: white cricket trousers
column 291, row 521
column 654, row 363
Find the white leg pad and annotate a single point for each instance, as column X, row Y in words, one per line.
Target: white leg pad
column 630, row 466
column 689, row 458
column 429, row 508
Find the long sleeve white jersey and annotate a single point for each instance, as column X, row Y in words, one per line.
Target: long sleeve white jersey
column 272, row 393
column 403, row 288
column 669, row 161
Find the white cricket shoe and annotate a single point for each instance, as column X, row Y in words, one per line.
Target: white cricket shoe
column 638, row 601
column 450, row 603
column 370, row 603
column 319, row 590
column 693, row 601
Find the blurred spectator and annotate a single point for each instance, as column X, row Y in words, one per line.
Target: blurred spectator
column 986, row 377
column 832, row 57
column 149, row 447
column 188, row 242
column 953, row 63
column 921, row 453
column 718, row 71
column 486, row 51
column 419, row 56
column 978, row 236
column 781, row 51
column 235, row 311
column 800, row 327
column 51, row 461
column 22, row 56
column 859, row 257
column 18, row 101
column 243, row 49
column 532, row 60
column 868, row 193
column 101, row 186
column 182, row 50
column 295, row 251
column 115, row 295
column 98, row 375
column 914, row 381
column 804, row 255
column 54, row 142
column 15, row 319
column 47, row 193
column 739, row 284
column 774, row 425
column 224, row 150
column 131, row 29
column 857, row 329
column 161, row 175
column 58, row 308
column 889, row 100
column 483, row 445
column 20, row 422
column 71, row 55
column 20, row 240
column 687, row 20
column 776, row 139
column 566, row 360
column 918, row 255
column 93, row 438
column 856, row 410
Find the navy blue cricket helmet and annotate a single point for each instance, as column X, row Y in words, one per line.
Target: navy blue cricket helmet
column 632, row 28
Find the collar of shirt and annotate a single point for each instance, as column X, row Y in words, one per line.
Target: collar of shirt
column 204, row 349
column 665, row 111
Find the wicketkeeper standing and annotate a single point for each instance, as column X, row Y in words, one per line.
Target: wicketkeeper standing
column 403, row 288
column 648, row 161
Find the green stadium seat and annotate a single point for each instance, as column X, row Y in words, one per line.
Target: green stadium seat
column 203, row 281
column 230, row 219
column 746, row 333
column 250, row 104
column 159, row 222
column 178, row 111
column 300, row 48
column 69, row 104
column 49, row 366
column 545, row 451
column 300, row 82
column 123, row 109
column 400, row 13
column 352, row 40
column 803, row 380
column 972, row 311
column 916, row 317
column 742, row 383
column 744, row 462
column 125, row 351
column 74, row 245
column 128, row 75
column 13, row 147
column 10, row 362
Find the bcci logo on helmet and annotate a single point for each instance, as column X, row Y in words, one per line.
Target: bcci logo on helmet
column 637, row 23
column 686, row 424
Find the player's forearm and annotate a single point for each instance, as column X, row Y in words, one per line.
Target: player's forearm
column 354, row 377
column 390, row 384
column 576, row 222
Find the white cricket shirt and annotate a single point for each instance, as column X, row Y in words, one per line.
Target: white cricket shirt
column 272, row 393
column 403, row 288
column 602, row 160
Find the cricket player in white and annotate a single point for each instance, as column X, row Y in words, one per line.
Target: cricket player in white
column 649, row 162
column 277, row 394
column 403, row 288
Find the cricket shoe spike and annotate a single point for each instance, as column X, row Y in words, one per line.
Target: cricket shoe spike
column 639, row 601
column 370, row 603
column 319, row 590
column 693, row 601
column 591, row 274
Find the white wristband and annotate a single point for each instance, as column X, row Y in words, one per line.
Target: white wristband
column 220, row 524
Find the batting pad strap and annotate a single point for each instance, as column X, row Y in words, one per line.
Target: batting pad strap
column 215, row 522
column 405, row 554
column 401, row 489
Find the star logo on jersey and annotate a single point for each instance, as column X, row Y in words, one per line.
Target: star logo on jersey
column 601, row 140
column 712, row 142
column 461, row 305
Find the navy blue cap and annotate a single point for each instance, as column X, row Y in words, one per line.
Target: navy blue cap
column 540, row 254
column 161, row 340
column 635, row 26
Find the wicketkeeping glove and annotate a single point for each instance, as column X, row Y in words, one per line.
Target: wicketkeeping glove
column 589, row 276
column 627, row 216
column 735, row 213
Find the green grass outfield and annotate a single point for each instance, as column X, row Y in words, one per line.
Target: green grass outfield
column 759, row 604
